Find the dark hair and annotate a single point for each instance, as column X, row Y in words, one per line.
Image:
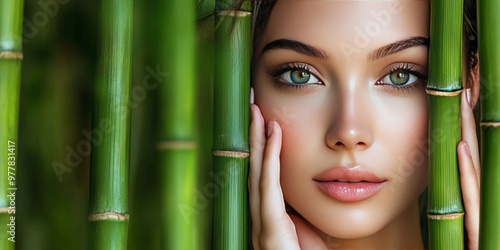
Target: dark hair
column 470, row 37
column 263, row 9
column 262, row 13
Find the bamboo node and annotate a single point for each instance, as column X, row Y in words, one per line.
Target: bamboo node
column 177, row 145
column 443, row 93
column 490, row 124
column 108, row 216
column 232, row 154
column 11, row 55
column 4, row 210
column 235, row 13
column 445, row 216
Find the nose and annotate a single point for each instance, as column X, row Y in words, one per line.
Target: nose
column 351, row 126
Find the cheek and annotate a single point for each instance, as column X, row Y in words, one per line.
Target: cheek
column 406, row 137
column 300, row 155
column 303, row 125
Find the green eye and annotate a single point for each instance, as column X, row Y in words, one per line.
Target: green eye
column 400, row 78
column 299, row 77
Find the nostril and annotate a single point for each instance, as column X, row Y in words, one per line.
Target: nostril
column 339, row 144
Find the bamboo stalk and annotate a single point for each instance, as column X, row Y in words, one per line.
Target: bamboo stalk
column 445, row 209
column 205, row 78
column 205, row 9
column 489, row 38
column 231, row 117
column 144, row 229
column 11, row 12
column 178, row 145
column 109, row 174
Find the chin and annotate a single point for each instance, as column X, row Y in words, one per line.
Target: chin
column 351, row 232
column 349, row 228
column 354, row 220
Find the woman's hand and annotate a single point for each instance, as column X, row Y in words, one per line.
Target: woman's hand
column 468, row 161
column 272, row 226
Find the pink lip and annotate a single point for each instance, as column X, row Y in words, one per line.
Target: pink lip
column 349, row 184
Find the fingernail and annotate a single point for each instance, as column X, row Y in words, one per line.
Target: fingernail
column 252, row 98
column 270, row 128
column 467, row 95
column 467, row 150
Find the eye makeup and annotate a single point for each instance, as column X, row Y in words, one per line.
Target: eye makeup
column 284, row 75
column 298, row 75
column 413, row 71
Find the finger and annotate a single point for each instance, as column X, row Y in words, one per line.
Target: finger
column 470, row 193
column 272, row 207
column 257, row 144
column 277, row 229
column 469, row 132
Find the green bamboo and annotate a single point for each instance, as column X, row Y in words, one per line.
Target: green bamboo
column 178, row 145
column 206, row 45
column 489, row 38
column 53, row 113
column 11, row 12
column 144, row 229
column 109, row 174
column 445, row 209
column 205, row 9
column 231, row 119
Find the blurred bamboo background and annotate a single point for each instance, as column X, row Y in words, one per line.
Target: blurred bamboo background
column 11, row 55
column 489, row 60
column 60, row 46
column 60, row 41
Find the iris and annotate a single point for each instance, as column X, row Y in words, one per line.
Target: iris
column 399, row 77
column 299, row 76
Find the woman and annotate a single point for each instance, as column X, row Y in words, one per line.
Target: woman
column 340, row 106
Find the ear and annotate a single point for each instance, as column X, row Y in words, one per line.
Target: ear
column 474, row 84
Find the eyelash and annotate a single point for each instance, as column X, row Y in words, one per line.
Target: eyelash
column 294, row 66
column 409, row 68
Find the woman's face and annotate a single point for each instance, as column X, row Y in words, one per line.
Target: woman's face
column 346, row 82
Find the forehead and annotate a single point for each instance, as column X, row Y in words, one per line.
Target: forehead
column 335, row 24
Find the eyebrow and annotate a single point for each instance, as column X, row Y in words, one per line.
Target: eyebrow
column 309, row 50
column 296, row 46
column 398, row 46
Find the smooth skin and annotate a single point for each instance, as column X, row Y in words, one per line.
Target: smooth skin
column 347, row 114
column 274, row 228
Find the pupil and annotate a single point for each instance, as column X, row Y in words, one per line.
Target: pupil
column 400, row 77
column 300, row 76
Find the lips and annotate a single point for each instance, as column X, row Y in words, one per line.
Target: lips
column 349, row 184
